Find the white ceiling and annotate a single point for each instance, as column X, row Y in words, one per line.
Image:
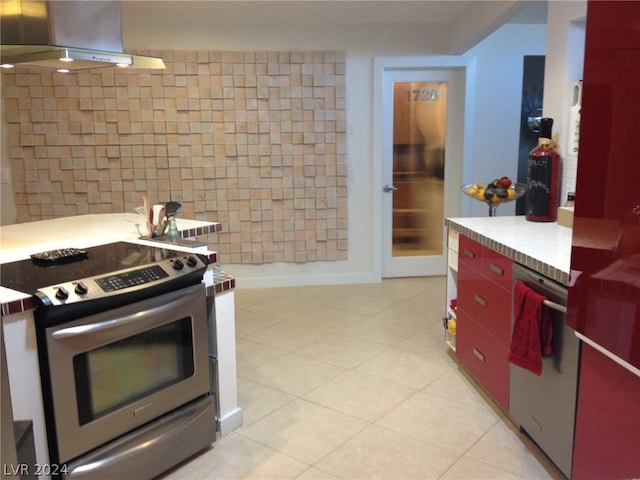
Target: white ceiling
column 349, row 12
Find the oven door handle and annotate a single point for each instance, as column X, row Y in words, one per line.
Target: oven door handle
column 100, row 326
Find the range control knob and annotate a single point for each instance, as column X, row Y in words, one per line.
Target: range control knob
column 178, row 264
column 81, row 288
column 62, row 293
column 191, row 261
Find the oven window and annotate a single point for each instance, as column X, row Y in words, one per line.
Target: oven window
column 122, row 372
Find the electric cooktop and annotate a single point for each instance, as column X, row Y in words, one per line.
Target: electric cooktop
column 72, row 283
column 36, row 273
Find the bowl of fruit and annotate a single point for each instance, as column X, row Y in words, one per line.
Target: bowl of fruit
column 498, row 191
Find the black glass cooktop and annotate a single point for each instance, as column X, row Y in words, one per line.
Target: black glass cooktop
column 28, row 275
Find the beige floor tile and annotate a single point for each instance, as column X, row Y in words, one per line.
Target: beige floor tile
column 467, row 469
column 434, row 292
column 360, row 395
column 458, row 387
column 314, row 473
column 304, row 430
column 331, row 317
column 284, row 308
column 406, row 316
column 381, row 330
column 358, row 353
column 429, row 341
column 378, row 453
column 257, row 400
column 251, row 355
column 245, row 297
column 294, row 374
column 340, row 350
column 238, row 457
column 503, row 448
column 400, row 289
column 438, row 421
column 248, row 322
column 405, row 368
column 364, row 304
column 291, row 335
column 319, row 294
column 417, row 305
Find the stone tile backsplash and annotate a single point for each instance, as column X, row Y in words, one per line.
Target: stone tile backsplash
column 254, row 140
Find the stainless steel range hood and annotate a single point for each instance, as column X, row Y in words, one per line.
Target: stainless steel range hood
column 65, row 34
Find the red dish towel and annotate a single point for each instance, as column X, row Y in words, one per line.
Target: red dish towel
column 532, row 329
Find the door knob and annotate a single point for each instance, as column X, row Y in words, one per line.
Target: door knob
column 389, row 188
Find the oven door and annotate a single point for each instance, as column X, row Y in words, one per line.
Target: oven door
column 114, row 371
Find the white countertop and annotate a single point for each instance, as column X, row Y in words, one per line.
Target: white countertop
column 541, row 246
column 19, row 241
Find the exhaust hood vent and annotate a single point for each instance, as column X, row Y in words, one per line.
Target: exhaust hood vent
column 65, row 35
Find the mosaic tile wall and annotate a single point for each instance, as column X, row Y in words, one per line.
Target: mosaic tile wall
column 255, row 140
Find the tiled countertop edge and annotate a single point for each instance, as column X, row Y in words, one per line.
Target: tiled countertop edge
column 17, row 306
column 222, row 282
column 512, row 253
column 204, row 230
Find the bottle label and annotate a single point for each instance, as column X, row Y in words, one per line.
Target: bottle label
column 539, row 179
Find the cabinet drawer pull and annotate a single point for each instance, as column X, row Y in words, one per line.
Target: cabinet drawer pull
column 469, row 253
column 496, row 269
column 478, row 354
column 479, row 300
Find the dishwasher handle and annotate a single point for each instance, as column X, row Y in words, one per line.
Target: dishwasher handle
column 555, row 293
column 555, row 306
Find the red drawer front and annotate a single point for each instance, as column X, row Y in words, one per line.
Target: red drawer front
column 490, row 263
column 469, row 253
column 497, row 268
column 484, row 357
column 608, row 420
column 486, row 303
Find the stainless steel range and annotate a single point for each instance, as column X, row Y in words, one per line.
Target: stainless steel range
column 124, row 357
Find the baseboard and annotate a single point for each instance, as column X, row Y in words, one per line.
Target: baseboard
column 230, row 422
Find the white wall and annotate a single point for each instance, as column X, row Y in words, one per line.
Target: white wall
column 493, row 149
column 361, row 43
column 564, row 65
column 494, row 129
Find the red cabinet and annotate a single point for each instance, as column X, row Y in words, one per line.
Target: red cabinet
column 484, row 313
column 604, row 302
column 607, row 437
column 606, row 226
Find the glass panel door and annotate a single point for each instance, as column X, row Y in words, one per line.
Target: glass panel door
column 419, row 133
column 422, row 128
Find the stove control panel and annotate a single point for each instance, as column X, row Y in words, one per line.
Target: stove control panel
column 132, row 278
column 121, row 281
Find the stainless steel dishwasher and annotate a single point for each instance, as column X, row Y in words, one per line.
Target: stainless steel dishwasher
column 544, row 406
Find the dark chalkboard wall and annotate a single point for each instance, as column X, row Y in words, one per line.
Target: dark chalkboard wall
column 532, row 90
